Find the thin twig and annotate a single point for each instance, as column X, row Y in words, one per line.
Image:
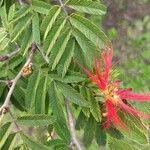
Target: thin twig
column 14, row 53
column 3, row 58
column 63, row 7
column 2, row 115
column 14, row 81
column 42, row 53
column 71, row 126
column 10, row 55
column 22, row 2
column 4, row 81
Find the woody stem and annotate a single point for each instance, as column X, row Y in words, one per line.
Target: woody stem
column 14, row 81
column 71, row 126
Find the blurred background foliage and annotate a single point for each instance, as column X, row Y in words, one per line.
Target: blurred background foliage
column 128, row 26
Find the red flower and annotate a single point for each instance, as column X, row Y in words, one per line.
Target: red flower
column 112, row 94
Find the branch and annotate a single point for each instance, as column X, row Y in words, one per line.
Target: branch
column 14, row 81
column 63, row 7
column 8, row 56
column 71, row 125
column 7, row 82
column 4, row 81
column 22, row 2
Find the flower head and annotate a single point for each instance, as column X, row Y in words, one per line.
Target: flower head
column 113, row 95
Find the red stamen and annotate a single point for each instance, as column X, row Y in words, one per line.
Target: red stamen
column 133, row 111
column 107, row 61
column 134, row 96
column 100, row 77
column 93, row 78
column 122, row 91
column 113, row 116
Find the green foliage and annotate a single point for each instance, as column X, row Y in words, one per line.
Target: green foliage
column 31, row 92
column 100, row 136
column 87, row 7
column 90, row 30
column 36, row 120
column 49, row 20
column 60, row 41
column 138, row 36
column 36, row 28
column 33, row 144
column 55, row 103
column 4, row 132
column 9, row 143
column 71, row 94
column 89, row 131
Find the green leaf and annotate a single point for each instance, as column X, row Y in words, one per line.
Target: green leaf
column 115, row 144
column 81, row 121
column 22, row 12
column 31, row 90
column 26, row 41
column 87, row 7
column 5, row 130
column 3, row 73
column 95, row 110
column 68, row 78
column 19, row 98
column 71, row 94
column 36, row 28
column 94, row 106
column 7, row 5
column 3, row 34
column 2, row 87
column 10, row 142
column 55, row 104
column 3, row 15
column 49, row 20
column 62, row 130
column 89, row 132
column 83, row 92
column 86, row 46
column 66, row 58
column 19, row 28
column 100, row 136
column 40, row 6
column 22, row 147
column 58, row 49
column 57, row 143
column 115, row 133
column 15, row 61
column 138, row 133
column 10, row 17
column 79, row 55
column 40, row 103
column 53, row 35
column 36, row 120
column 90, row 30
column 4, row 43
column 11, row 12
column 1, row 1
column 34, row 145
